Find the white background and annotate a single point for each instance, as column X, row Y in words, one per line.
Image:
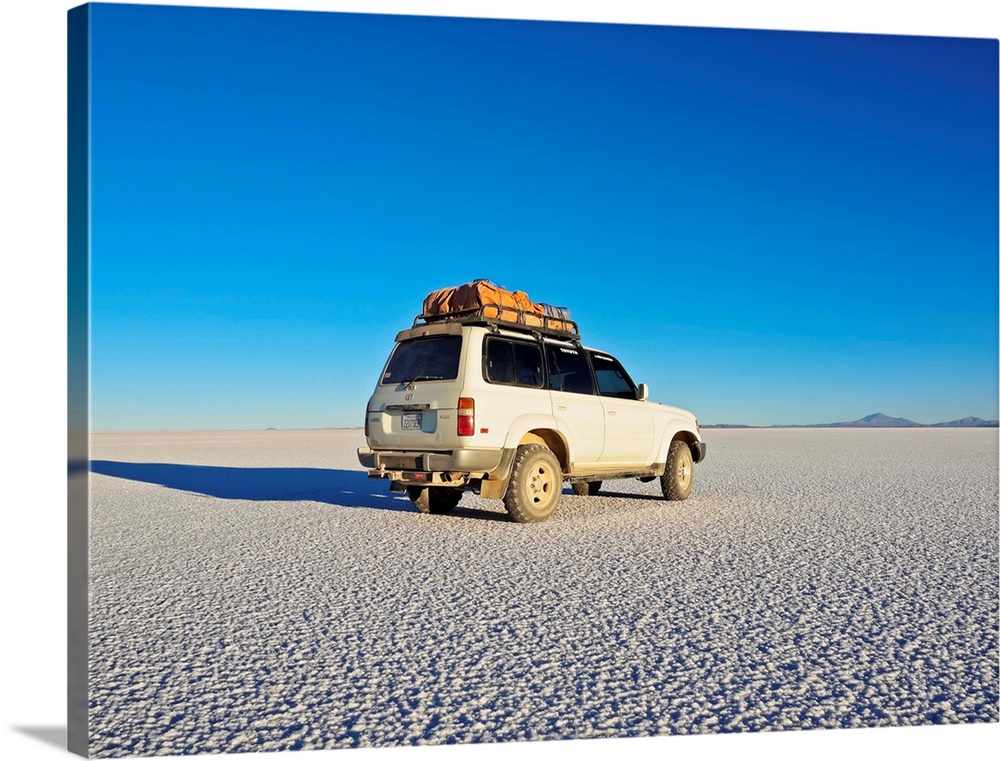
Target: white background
column 33, row 281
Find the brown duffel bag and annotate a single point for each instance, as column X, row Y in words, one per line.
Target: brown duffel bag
column 510, row 306
column 490, row 300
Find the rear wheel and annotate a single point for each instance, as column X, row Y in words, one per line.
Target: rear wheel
column 676, row 479
column 434, row 499
column 584, row 488
column 534, row 486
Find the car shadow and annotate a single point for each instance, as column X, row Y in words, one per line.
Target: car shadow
column 619, row 494
column 345, row 488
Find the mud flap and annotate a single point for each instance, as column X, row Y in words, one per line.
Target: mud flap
column 495, row 486
column 493, row 489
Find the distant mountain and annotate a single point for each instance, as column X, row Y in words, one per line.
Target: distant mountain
column 968, row 422
column 878, row 420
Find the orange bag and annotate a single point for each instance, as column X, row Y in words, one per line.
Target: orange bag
column 489, row 300
column 497, row 302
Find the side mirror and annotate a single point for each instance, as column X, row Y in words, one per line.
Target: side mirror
column 643, row 392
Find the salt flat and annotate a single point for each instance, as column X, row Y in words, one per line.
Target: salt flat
column 254, row 591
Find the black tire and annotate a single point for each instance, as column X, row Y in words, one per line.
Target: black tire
column 585, row 488
column 679, row 474
column 434, row 499
column 535, row 484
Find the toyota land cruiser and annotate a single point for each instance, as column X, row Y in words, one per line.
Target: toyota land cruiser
column 511, row 412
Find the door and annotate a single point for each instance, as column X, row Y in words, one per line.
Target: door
column 575, row 402
column 628, row 423
column 414, row 404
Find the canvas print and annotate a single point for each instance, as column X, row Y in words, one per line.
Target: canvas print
column 440, row 380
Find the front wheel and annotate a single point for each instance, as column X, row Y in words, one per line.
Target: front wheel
column 679, row 474
column 534, row 486
column 434, row 499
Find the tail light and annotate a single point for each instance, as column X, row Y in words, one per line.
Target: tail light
column 366, row 423
column 466, row 416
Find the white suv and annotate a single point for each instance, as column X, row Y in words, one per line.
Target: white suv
column 512, row 412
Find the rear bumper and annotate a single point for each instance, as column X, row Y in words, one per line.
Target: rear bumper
column 465, row 461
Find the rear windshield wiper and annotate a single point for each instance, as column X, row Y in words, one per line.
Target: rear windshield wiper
column 422, row 378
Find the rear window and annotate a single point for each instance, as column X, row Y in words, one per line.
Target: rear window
column 428, row 359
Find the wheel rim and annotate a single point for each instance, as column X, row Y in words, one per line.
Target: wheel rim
column 541, row 485
column 684, row 472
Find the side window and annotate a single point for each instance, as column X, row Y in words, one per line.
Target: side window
column 569, row 370
column 612, row 380
column 528, row 364
column 499, row 361
column 513, row 362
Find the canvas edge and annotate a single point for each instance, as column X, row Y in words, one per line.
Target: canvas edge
column 78, row 375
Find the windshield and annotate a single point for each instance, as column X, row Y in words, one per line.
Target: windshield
column 431, row 358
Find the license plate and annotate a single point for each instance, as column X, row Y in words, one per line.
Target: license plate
column 411, row 421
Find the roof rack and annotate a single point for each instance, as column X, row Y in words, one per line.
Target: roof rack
column 507, row 317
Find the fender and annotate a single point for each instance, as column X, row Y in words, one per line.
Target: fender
column 495, row 484
column 675, row 429
column 535, row 422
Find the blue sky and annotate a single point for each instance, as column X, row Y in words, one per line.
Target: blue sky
column 766, row 227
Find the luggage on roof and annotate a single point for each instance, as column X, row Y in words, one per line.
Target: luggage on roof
column 484, row 300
